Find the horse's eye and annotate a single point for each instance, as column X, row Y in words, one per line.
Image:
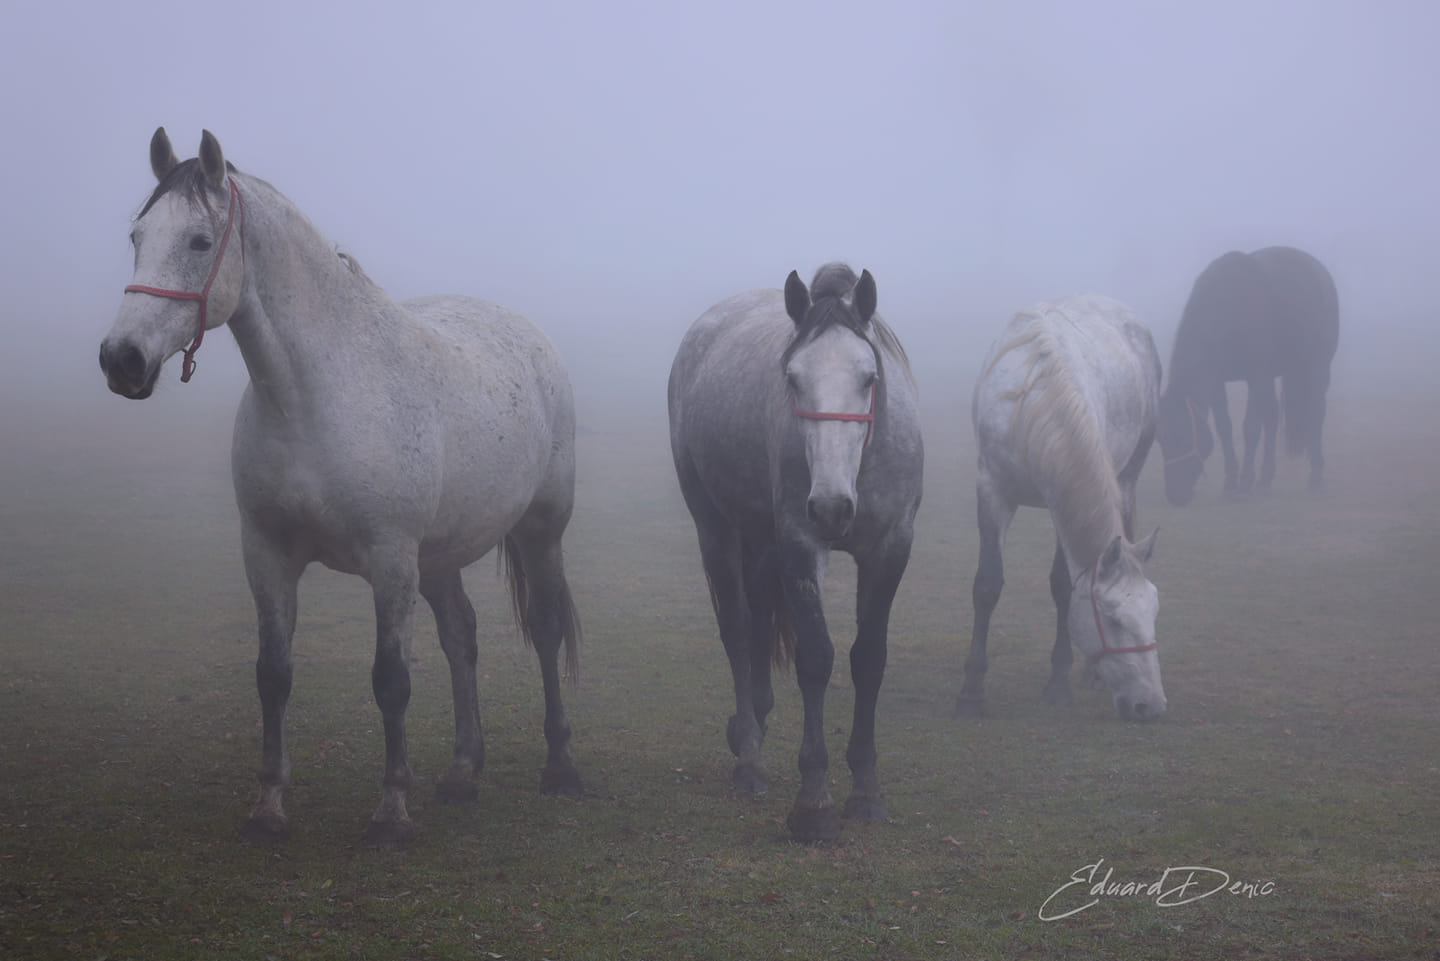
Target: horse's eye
column 869, row 381
column 792, row 382
column 199, row 243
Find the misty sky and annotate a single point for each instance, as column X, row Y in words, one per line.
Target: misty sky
column 612, row 169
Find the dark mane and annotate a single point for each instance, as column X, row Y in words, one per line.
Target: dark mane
column 188, row 177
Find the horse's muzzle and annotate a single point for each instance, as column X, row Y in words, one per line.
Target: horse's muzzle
column 127, row 372
column 832, row 516
column 1139, row 710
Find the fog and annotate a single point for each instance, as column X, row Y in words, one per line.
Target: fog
column 611, row 170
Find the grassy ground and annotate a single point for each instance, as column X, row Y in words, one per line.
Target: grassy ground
column 1299, row 755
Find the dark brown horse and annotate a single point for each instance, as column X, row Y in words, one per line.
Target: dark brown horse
column 1251, row 317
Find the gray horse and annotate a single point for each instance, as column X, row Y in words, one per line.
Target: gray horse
column 1064, row 416
column 399, row 442
column 794, row 430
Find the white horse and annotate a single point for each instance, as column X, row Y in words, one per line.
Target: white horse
column 399, row 442
column 794, row 430
column 1064, row 415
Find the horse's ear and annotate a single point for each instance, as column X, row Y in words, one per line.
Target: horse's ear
column 162, row 155
column 1110, row 559
column 212, row 160
column 865, row 296
column 797, row 298
column 1143, row 549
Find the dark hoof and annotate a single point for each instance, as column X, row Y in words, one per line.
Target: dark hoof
column 560, row 780
column 387, row 833
column 750, row 778
column 264, row 830
column 865, row 808
column 814, row 824
column 966, row 706
column 1058, row 695
column 456, row 792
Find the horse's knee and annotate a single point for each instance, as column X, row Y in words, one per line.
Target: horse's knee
column 985, row 593
column 273, row 677
column 390, row 680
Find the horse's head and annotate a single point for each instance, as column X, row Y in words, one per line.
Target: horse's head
column 1183, row 430
column 1112, row 623
column 832, row 371
column 189, row 267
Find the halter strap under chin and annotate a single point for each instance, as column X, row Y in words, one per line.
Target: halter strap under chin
column 867, row 418
column 1194, row 435
column 1105, row 648
column 187, row 367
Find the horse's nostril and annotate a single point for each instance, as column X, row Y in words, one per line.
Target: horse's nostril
column 831, row 515
column 132, row 363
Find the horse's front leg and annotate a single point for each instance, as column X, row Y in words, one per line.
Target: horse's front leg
column 1220, row 409
column 813, row 816
column 1057, row 689
column 394, row 581
column 993, row 513
column 877, row 578
column 274, row 574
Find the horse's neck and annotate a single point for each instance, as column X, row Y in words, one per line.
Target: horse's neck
column 1083, row 495
column 302, row 302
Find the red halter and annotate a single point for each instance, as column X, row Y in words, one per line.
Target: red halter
column 867, row 418
column 1105, row 648
column 187, row 367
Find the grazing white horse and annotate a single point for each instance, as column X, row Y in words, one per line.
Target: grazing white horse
column 1064, row 415
column 396, row 441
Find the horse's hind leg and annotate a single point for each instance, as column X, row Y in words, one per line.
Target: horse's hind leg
column 877, row 579
column 549, row 620
column 762, row 593
column 1262, row 417
column 993, row 514
column 273, row 575
column 1057, row 689
column 722, row 556
column 1317, row 384
column 455, row 623
column 394, row 581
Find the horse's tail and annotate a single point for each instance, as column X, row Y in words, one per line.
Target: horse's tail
column 782, row 628
column 570, row 630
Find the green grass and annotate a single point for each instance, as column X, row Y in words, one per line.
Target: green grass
column 1301, row 748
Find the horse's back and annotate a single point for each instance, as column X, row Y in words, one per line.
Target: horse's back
column 1084, row 359
column 1099, row 341
column 1253, row 314
column 523, row 406
column 1304, row 298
